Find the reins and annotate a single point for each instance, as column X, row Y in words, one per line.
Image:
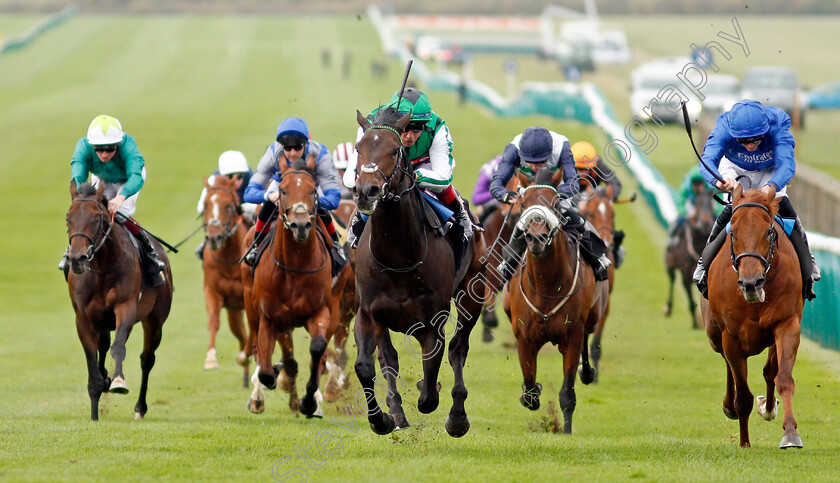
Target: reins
column 767, row 262
column 94, row 247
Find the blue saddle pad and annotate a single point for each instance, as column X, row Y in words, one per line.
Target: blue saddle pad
column 787, row 224
column 442, row 211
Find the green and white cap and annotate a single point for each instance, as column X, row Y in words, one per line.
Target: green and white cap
column 104, row 130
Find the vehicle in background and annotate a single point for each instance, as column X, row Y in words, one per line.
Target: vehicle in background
column 651, row 97
column 826, row 96
column 607, row 46
column 721, row 93
column 775, row 86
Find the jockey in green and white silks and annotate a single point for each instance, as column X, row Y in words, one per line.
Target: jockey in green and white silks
column 428, row 146
column 111, row 158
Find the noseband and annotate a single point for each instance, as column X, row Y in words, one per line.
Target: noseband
column 94, row 247
column 541, row 214
column 284, row 215
column 228, row 227
column 771, row 234
column 384, row 192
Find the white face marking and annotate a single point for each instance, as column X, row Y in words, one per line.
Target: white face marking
column 215, row 204
column 299, row 181
column 602, row 208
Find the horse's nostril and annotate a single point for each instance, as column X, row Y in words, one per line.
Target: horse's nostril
column 373, row 192
column 308, row 225
column 760, row 283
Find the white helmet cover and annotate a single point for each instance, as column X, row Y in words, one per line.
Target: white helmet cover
column 342, row 155
column 232, row 162
column 104, row 130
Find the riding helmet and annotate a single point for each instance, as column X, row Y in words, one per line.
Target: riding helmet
column 748, row 119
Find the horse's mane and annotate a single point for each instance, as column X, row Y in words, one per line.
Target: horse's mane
column 756, row 196
column 544, row 176
column 87, row 189
column 386, row 116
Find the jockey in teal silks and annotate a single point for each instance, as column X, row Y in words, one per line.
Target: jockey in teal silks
column 429, row 148
column 753, row 144
column 110, row 156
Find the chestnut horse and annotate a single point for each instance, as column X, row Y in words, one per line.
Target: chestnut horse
column 105, row 290
column 598, row 209
column 552, row 265
column 291, row 288
column 224, row 232
column 755, row 306
column 406, row 277
column 683, row 256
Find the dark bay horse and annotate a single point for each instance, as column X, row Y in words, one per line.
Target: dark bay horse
column 224, row 232
column 755, row 306
column 105, row 290
column 554, row 297
column 683, row 255
column 406, row 277
column 598, row 209
column 291, row 287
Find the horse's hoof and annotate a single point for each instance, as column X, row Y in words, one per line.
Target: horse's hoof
column 210, row 361
column 308, row 406
column 428, row 404
column 666, row 311
column 586, row 377
column 118, row 386
column 384, row 425
column 106, row 385
column 268, row 380
column 138, row 416
column 487, row 336
column 400, row 421
column 790, row 441
column 729, row 414
column 761, row 408
column 243, row 359
column 456, row 430
column 530, row 398
column 256, row 406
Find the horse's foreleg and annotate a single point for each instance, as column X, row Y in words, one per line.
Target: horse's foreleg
column 571, row 356
column 457, row 423
column 669, row 304
column 266, row 337
column 288, row 370
column 768, row 405
column 787, row 345
column 729, row 395
column 688, row 285
column 213, row 305
column 531, row 389
column 389, row 367
column 152, row 334
column 432, row 345
column 237, row 327
column 318, row 328
column 595, row 347
column 104, row 344
column 89, row 340
column 364, row 332
column 125, row 315
column 743, row 397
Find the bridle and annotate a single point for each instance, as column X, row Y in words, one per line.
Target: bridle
column 94, row 247
column 284, row 210
column 229, row 227
column 385, row 192
column 771, row 235
column 541, row 214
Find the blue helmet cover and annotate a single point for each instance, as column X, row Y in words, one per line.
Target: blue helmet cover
column 748, row 119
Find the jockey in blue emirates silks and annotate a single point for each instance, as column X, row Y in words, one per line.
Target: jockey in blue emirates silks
column 536, row 148
column 752, row 144
column 292, row 142
column 111, row 157
column 428, row 146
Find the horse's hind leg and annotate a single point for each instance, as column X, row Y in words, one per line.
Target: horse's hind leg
column 89, row 340
column 104, row 343
column 213, row 305
column 389, row 367
column 318, row 327
column 688, row 284
column 237, row 327
column 571, row 356
column 768, row 405
column 669, row 304
column 457, row 423
column 433, row 346
column 365, row 335
column 787, row 345
column 152, row 334
column 287, row 373
column 125, row 319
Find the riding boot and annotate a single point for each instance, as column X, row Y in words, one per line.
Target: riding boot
column 807, row 264
column 357, row 226
column 63, row 263
column 339, row 259
column 594, row 248
column 458, row 206
column 199, row 250
column 713, row 244
column 146, row 243
column 512, row 254
column 673, row 232
column 250, row 257
column 618, row 250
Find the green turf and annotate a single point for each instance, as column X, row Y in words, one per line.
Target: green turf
column 190, row 87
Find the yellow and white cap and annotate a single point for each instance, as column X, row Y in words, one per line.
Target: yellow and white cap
column 104, row 130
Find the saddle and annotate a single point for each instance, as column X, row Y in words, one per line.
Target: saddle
column 150, row 276
column 442, row 221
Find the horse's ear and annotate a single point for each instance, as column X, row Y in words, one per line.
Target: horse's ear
column 737, row 192
column 610, row 192
column 772, row 195
column 523, row 179
column 558, row 177
column 100, row 191
column 403, row 122
column 206, row 182
column 310, row 163
column 362, row 120
column 74, row 191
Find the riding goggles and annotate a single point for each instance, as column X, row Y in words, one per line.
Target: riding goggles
column 751, row 140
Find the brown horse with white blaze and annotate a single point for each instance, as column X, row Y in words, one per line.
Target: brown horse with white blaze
column 290, row 288
column 755, row 306
column 104, row 280
column 224, row 232
column 554, row 297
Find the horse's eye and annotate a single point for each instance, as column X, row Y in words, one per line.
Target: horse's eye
column 396, row 152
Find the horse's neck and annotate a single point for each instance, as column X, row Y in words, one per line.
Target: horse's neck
column 293, row 254
column 115, row 249
column 398, row 224
column 555, row 268
column 232, row 247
